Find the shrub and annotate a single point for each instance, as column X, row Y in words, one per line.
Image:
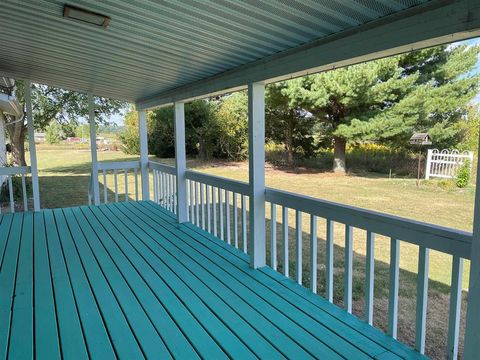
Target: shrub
column 54, row 133
column 462, row 177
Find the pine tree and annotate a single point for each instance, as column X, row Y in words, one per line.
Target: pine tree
column 388, row 99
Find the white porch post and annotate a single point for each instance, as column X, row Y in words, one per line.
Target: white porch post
column 93, row 149
column 256, row 173
column 142, row 125
column 180, row 162
column 472, row 330
column 32, row 148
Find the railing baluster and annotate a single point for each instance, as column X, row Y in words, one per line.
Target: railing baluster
column 165, row 190
column 329, row 261
column 214, row 209
column 202, row 204
column 174, row 194
column 244, row 224
column 273, row 236
column 135, row 171
column 10, row 191
column 220, row 207
column 298, row 237
column 422, row 298
column 169, row 191
column 235, row 220
column 105, row 192
column 192, row 216
column 24, row 194
column 157, row 186
column 285, row 240
column 163, row 187
column 393, row 290
column 369, row 277
column 197, row 213
column 313, row 253
column 126, row 184
column 227, row 215
column 455, row 308
column 115, row 173
column 347, row 288
column 207, row 196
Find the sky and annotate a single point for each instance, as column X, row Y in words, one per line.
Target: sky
column 475, row 41
column 118, row 118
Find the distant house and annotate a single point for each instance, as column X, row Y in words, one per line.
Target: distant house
column 39, row 137
column 74, row 139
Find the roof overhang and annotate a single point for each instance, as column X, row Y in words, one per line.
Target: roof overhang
column 156, row 53
column 430, row 24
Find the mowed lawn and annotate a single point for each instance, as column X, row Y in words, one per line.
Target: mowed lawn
column 64, row 178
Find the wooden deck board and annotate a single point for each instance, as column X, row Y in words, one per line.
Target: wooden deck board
column 125, row 280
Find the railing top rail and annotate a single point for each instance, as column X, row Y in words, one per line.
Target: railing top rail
column 161, row 167
column 447, row 240
column 219, row 182
column 118, row 165
column 15, row 170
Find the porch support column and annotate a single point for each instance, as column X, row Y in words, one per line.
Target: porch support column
column 180, row 162
column 142, row 127
column 472, row 330
column 256, row 173
column 32, row 148
column 93, row 149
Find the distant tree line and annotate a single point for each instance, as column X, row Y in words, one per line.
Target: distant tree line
column 382, row 102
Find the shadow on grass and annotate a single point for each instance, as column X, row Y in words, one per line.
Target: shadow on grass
column 79, row 168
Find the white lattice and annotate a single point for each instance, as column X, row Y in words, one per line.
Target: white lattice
column 444, row 163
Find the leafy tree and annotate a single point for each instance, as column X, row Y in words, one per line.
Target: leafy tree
column 199, row 137
column 388, row 99
column 54, row 133
column 231, row 127
column 287, row 123
column 470, row 128
column 51, row 104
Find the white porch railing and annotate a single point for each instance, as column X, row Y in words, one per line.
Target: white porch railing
column 7, row 175
column 215, row 204
column 125, row 169
column 164, row 185
column 426, row 236
column 445, row 163
column 219, row 206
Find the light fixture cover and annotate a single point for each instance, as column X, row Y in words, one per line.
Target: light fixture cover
column 76, row 13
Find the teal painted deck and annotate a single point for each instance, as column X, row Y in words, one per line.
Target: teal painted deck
column 124, row 280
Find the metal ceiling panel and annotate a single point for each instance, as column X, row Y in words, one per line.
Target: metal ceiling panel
column 151, row 47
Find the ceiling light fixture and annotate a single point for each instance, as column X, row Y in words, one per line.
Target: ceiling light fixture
column 87, row 16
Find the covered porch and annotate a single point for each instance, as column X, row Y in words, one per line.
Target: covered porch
column 126, row 280
column 184, row 269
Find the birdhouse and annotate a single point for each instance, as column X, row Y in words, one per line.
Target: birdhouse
column 421, row 139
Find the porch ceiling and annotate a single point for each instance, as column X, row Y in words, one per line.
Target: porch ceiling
column 152, row 48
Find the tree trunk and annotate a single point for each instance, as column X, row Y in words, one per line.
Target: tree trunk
column 16, row 133
column 340, row 145
column 289, row 143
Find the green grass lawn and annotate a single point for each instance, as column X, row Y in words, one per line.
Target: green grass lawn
column 64, row 177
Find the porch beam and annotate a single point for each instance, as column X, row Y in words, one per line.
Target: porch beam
column 433, row 23
column 32, row 147
column 181, row 163
column 93, row 149
column 142, row 127
column 256, row 173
